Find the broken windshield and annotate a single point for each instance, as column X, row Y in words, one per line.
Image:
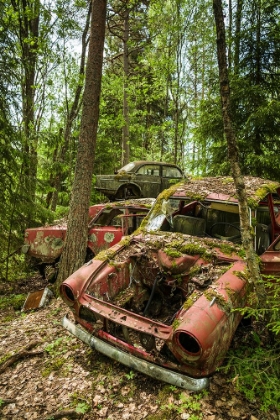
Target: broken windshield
column 203, row 219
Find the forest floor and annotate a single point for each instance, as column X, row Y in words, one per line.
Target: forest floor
column 47, row 374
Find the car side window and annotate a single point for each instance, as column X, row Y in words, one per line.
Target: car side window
column 109, row 217
column 171, row 172
column 149, row 170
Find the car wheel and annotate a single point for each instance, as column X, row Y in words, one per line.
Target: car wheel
column 128, row 191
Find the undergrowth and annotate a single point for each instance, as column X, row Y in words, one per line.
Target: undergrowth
column 254, row 365
column 255, row 372
column 12, row 301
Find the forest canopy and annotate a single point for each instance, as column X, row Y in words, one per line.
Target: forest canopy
column 160, row 96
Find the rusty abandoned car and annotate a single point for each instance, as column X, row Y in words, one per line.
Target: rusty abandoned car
column 108, row 223
column 162, row 300
column 138, row 179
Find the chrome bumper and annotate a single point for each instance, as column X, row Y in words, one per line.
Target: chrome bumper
column 154, row 371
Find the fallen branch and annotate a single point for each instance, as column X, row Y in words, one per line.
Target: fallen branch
column 71, row 414
column 21, row 355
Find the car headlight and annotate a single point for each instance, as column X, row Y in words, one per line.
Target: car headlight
column 67, row 293
column 188, row 344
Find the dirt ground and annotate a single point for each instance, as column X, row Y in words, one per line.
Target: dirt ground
column 47, row 374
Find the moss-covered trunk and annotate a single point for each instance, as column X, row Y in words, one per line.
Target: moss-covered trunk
column 233, row 153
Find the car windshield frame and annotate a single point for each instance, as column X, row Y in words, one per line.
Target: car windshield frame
column 173, row 207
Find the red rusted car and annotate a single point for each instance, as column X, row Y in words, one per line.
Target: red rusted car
column 108, row 223
column 162, row 300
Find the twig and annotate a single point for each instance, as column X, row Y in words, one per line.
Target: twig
column 72, row 414
column 21, row 355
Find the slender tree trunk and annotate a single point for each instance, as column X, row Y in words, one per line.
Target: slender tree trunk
column 125, row 130
column 72, row 113
column 74, row 252
column 28, row 13
column 237, row 35
column 233, row 153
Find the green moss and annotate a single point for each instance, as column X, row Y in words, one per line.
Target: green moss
column 6, row 357
column 173, row 253
column 211, row 294
column 227, row 180
column 14, row 301
column 192, row 249
column 227, row 249
column 194, row 196
column 243, row 275
column 176, row 324
column 266, row 189
column 194, row 270
column 254, row 221
column 53, row 365
column 122, row 174
column 178, row 278
column 191, row 300
column 252, row 203
column 125, row 241
column 106, row 255
column 175, row 244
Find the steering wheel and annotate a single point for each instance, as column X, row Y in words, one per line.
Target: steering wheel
column 226, row 226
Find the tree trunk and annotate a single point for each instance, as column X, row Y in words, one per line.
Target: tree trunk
column 72, row 113
column 233, row 153
column 125, row 130
column 74, row 252
column 28, row 13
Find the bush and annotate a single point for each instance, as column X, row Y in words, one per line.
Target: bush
column 254, row 364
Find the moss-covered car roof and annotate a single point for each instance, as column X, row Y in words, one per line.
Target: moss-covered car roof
column 223, row 188
column 131, row 202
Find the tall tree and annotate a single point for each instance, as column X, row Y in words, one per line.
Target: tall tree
column 72, row 110
column 233, row 152
column 74, row 251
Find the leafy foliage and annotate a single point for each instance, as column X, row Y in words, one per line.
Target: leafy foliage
column 255, row 363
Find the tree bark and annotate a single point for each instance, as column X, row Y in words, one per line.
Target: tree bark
column 72, row 113
column 74, row 252
column 28, row 15
column 125, row 130
column 233, row 152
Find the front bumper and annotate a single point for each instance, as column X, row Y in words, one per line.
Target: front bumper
column 149, row 369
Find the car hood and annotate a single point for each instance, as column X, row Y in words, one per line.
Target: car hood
column 170, row 253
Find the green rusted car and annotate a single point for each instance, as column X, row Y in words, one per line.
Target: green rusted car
column 138, row 179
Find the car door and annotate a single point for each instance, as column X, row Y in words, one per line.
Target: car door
column 148, row 178
column 107, row 230
column 132, row 219
column 169, row 176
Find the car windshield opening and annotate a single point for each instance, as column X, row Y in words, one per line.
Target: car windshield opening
column 127, row 168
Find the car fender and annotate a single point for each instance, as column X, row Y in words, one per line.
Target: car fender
column 130, row 184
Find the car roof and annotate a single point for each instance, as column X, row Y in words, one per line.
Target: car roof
column 133, row 202
column 223, row 189
column 152, row 162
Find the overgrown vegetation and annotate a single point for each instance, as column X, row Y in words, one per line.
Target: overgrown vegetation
column 254, row 362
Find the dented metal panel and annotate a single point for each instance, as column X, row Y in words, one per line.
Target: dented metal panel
column 37, row 299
